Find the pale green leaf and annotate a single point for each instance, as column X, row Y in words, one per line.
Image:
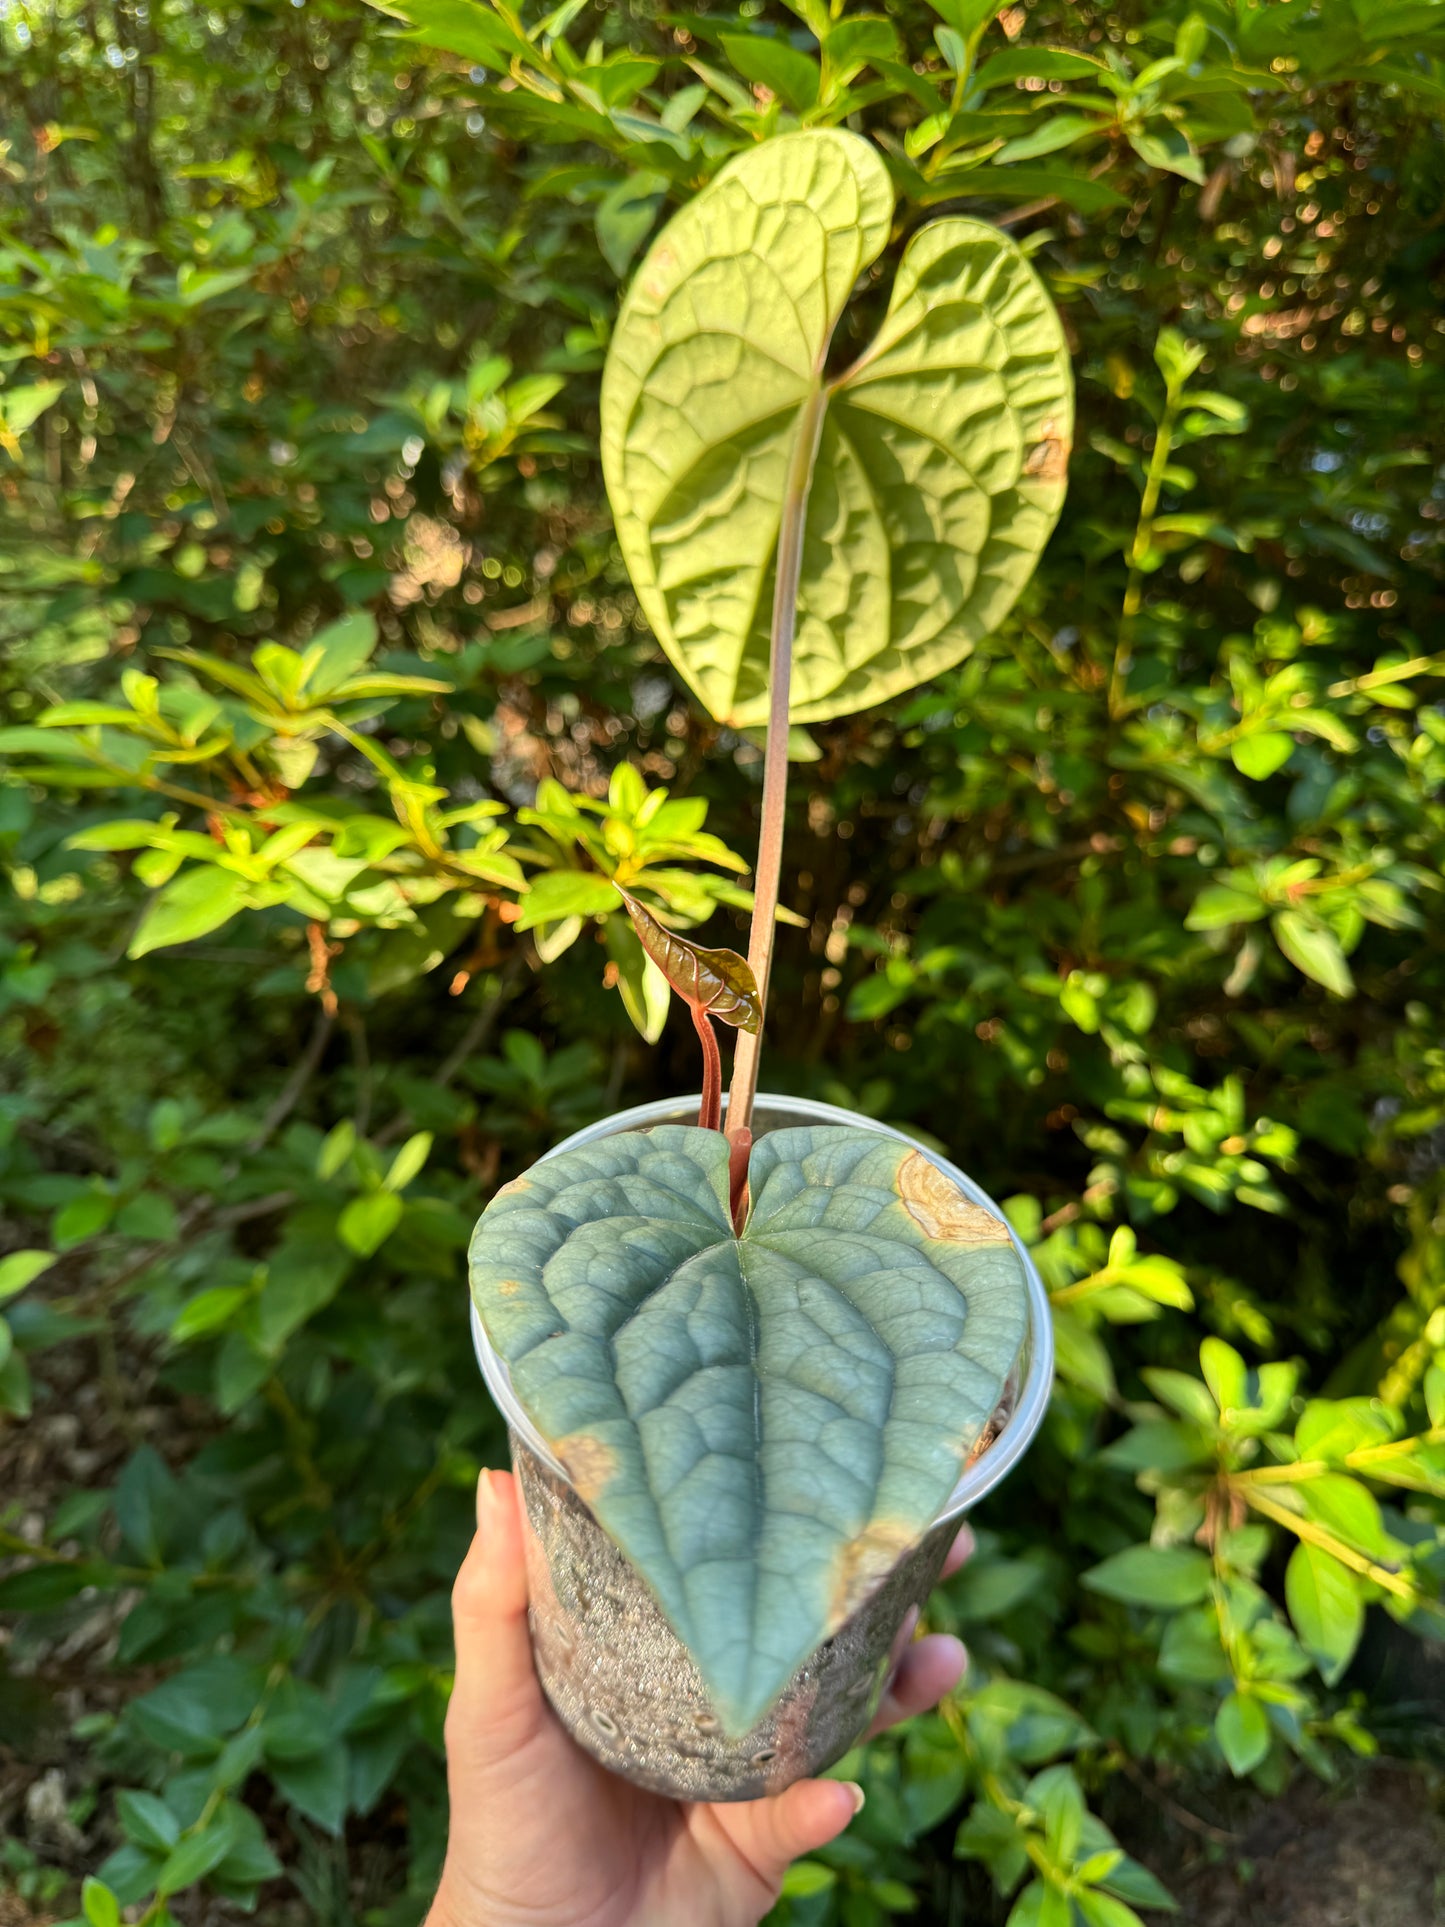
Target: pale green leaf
column 1260, row 756
column 21, row 1268
column 368, row 1221
column 194, row 904
column 1242, row 1730
column 408, row 1161
column 1313, row 948
column 99, row 1904
column 1324, row 1602
column 21, row 407
column 941, row 453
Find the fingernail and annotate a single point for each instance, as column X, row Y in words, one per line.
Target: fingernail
column 964, row 1543
column 910, row 1625
column 858, row 1796
column 486, row 1499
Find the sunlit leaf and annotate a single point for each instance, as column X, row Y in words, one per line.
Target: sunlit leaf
column 941, row 453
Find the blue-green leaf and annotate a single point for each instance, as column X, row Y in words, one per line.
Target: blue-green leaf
column 764, row 1424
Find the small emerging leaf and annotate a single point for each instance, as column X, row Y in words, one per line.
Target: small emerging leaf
column 718, row 982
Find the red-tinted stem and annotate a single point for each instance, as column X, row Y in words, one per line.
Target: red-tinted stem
column 709, row 1114
column 739, row 1153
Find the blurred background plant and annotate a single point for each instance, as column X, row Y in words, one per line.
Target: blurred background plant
column 331, row 720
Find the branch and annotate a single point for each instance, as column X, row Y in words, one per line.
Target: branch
column 289, row 1095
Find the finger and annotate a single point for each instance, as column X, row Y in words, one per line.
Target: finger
column 496, row 1702
column 962, row 1549
column 771, row 1834
column 931, row 1667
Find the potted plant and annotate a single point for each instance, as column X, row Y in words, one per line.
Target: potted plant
column 750, row 1362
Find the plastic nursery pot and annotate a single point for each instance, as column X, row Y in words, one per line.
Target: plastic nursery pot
column 616, row 1674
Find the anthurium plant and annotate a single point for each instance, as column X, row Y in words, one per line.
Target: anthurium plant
column 764, row 1366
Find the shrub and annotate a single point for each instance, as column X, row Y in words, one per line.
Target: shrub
column 331, row 715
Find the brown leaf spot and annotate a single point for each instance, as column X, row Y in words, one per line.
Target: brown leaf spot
column 935, row 1203
column 660, row 267
column 863, row 1565
column 590, row 1464
column 516, row 1185
column 1048, row 459
column 509, row 1287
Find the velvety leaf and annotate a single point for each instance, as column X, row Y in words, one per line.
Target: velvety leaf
column 869, row 1314
column 719, row 982
column 941, row 454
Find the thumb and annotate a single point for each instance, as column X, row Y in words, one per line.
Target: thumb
column 771, row 1834
column 496, row 1704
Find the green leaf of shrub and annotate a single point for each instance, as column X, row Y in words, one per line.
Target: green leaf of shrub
column 21, row 1268
column 1040, row 1905
column 1324, row 1602
column 99, row 1904
column 147, row 1820
column 941, row 453
column 368, row 1221
column 764, row 1424
column 1242, row 1730
column 195, row 903
column 1313, row 948
column 1160, row 1577
column 1260, row 756
column 773, row 64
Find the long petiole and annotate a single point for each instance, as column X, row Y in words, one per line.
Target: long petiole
column 775, row 756
column 709, row 1116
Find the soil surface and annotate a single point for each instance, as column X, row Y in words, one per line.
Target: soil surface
column 1370, row 1854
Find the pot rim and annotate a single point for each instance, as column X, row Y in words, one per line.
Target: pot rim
column 1037, row 1352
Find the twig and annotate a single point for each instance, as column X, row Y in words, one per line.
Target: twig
column 289, row 1095
column 1191, row 1821
column 356, row 1030
column 477, row 1033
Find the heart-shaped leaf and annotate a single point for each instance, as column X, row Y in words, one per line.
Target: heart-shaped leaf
column 766, row 1423
column 941, row 456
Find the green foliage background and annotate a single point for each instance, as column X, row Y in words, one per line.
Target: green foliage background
column 312, row 617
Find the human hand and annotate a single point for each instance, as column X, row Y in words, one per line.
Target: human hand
column 542, row 1836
